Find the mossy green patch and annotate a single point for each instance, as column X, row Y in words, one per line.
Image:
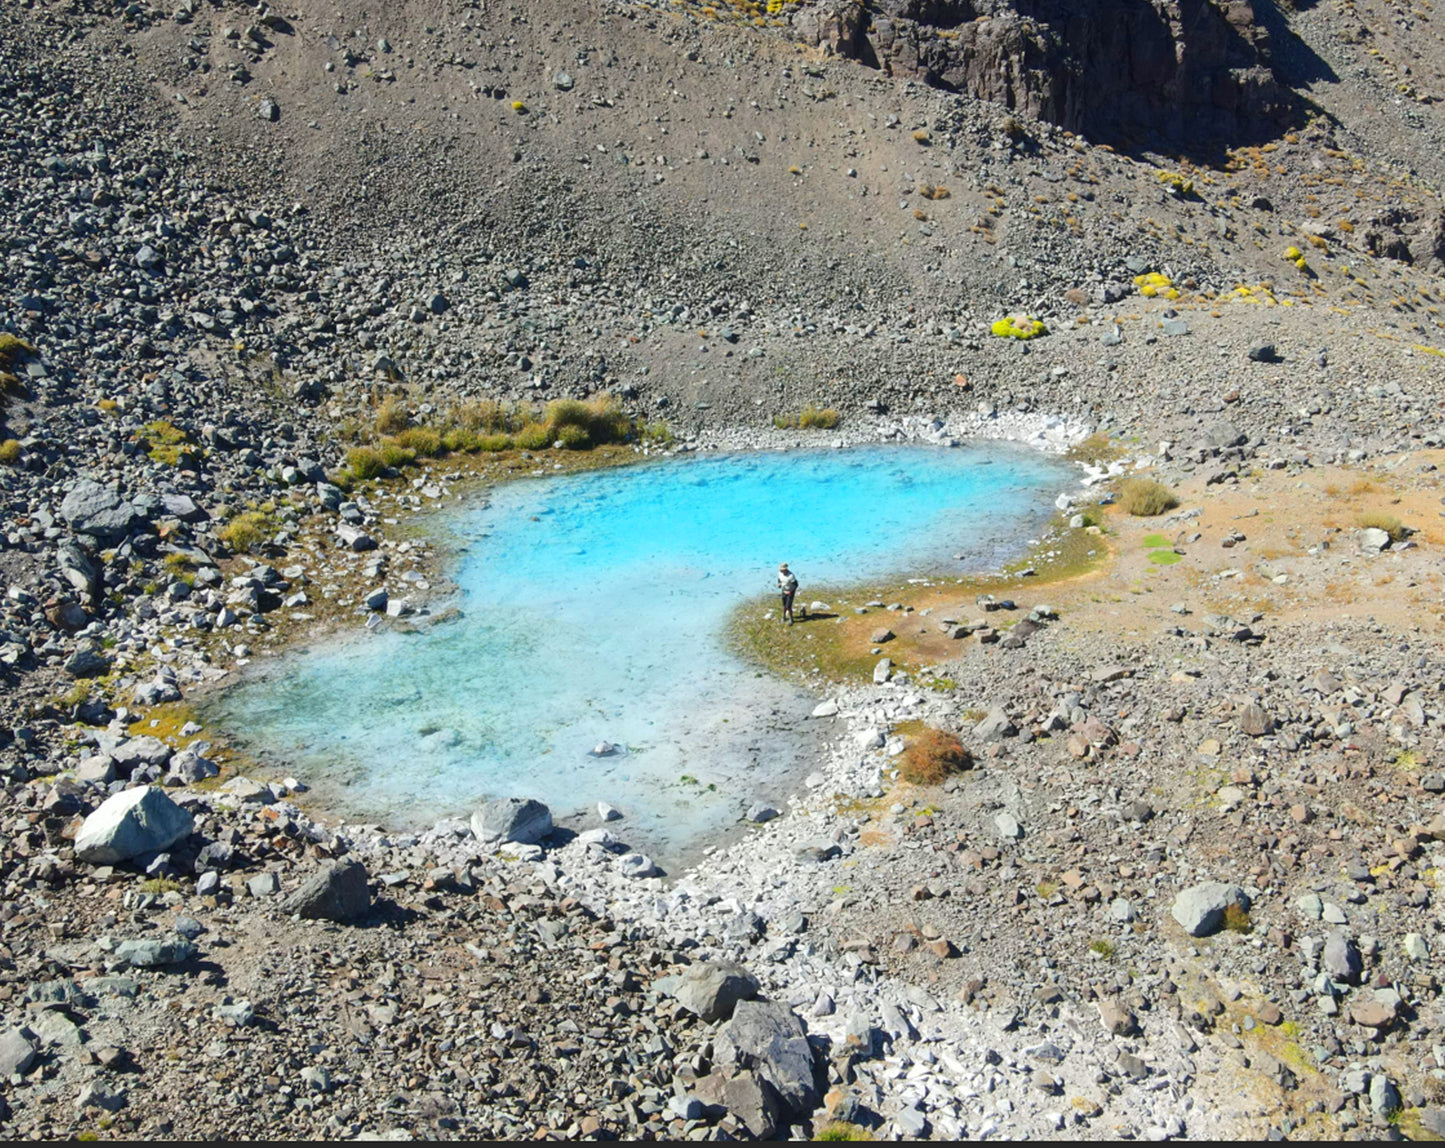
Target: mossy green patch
column 1154, row 540
column 1164, row 557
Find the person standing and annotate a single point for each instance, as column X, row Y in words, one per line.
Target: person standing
column 788, row 584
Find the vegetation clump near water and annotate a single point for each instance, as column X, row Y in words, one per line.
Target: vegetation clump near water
column 1146, row 497
column 931, row 756
column 489, row 427
column 1019, row 327
column 809, row 418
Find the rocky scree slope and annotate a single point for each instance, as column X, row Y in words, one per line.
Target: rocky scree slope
column 209, row 286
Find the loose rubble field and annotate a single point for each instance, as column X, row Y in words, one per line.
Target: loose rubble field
column 278, row 282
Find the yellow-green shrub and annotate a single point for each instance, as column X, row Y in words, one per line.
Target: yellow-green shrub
column 424, row 441
column 395, row 455
column 245, row 532
column 493, row 443
column 818, row 418
column 166, row 442
column 1019, row 327
column 601, row 418
column 573, row 437
column 391, row 416
column 482, row 415
column 1153, row 283
column 533, row 436
column 9, row 452
column 1144, row 497
column 364, row 462
column 12, row 347
column 459, row 440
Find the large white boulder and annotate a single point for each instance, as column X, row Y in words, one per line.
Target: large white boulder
column 135, row 821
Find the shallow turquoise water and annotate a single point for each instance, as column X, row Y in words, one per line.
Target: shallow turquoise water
column 592, row 611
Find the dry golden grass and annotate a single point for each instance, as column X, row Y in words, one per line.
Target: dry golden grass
column 1379, row 520
column 1145, row 498
column 391, row 416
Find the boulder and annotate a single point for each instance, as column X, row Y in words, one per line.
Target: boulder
column 189, row 767
column 17, row 1052
column 995, row 726
column 338, row 891
column 133, row 822
column 712, row 989
column 1373, row 540
column 750, row 1101
column 768, row 1038
column 637, row 865
column 512, row 819
column 137, row 751
column 154, row 953
column 100, row 512
column 1200, row 909
column 1341, row 959
column 86, row 662
column 1255, row 720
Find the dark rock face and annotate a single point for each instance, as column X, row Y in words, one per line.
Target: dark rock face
column 1113, row 70
column 338, row 891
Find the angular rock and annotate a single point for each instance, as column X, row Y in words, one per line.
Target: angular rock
column 136, row 821
column 996, row 726
column 637, row 866
column 750, row 1101
column 711, row 990
column 155, row 953
column 767, row 1037
column 1341, row 959
column 86, row 662
column 1200, row 909
column 1255, row 720
column 1373, row 540
column 138, row 751
column 98, row 511
column 17, row 1052
column 512, row 819
column 338, row 891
